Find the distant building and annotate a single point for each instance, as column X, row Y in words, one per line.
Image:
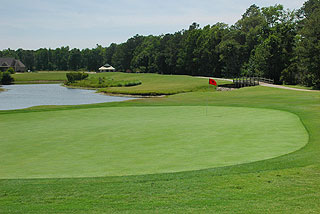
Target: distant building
column 106, row 68
column 16, row 64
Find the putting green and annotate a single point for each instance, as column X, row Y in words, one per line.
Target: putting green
column 142, row 140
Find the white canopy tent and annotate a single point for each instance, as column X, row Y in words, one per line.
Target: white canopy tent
column 106, row 68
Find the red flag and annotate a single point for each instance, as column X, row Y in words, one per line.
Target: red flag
column 212, row 82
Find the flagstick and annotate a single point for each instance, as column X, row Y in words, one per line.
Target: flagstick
column 211, row 82
column 207, row 100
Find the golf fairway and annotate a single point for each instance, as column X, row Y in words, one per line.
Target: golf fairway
column 117, row 141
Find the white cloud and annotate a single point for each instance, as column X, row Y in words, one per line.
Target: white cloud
column 81, row 23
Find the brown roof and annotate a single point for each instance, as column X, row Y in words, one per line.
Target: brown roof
column 19, row 63
column 11, row 62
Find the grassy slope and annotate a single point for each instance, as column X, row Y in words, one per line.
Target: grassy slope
column 298, row 87
column 39, row 77
column 287, row 184
column 152, row 84
column 142, row 140
column 155, row 84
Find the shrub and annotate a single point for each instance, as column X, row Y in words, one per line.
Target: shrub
column 74, row 76
column 5, row 78
column 11, row 70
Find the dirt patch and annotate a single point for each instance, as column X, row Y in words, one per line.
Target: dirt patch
column 225, row 89
column 284, row 87
column 131, row 95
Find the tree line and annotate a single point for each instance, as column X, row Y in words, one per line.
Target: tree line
column 270, row 42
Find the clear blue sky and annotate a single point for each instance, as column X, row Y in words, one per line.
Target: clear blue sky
column 32, row 24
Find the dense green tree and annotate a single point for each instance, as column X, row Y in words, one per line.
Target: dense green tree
column 308, row 49
column 170, row 46
column 118, row 59
column 207, row 53
column 124, row 53
column 28, row 59
column 145, row 55
column 187, row 62
column 251, row 26
column 230, row 56
column 41, row 59
column 267, row 58
column 74, row 60
column 60, row 58
column 95, row 58
column 109, row 52
column 274, row 51
column 9, row 53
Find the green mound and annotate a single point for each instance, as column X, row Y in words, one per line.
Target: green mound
column 119, row 141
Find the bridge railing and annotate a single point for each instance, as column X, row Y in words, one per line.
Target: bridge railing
column 265, row 80
column 240, row 82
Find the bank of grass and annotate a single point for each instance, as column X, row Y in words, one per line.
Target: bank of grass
column 299, row 87
column 286, row 184
column 149, row 84
column 156, row 84
column 40, row 77
column 103, row 82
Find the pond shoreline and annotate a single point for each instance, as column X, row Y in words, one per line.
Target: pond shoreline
column 38, row 82
column 132, row 95
column 30, row 95
column 114, row 94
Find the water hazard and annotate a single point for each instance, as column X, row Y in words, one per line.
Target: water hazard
column 24, row 96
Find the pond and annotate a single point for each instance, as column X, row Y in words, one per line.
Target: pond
column 24, row 96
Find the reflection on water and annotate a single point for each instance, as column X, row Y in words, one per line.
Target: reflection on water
column 24, row 96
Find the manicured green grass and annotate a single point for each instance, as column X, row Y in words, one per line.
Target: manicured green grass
column 156, row 84
column 39, row 77
column 142, row 140
column 286, row 184
column 152, row 84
